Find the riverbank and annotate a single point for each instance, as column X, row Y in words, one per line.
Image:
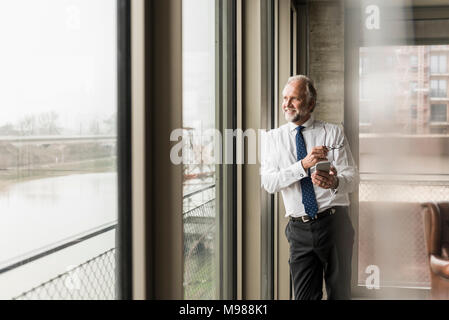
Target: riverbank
column 21, row 174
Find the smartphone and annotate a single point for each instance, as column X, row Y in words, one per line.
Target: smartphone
column 323, row 166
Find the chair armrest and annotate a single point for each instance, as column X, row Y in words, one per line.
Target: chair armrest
column 439, row 266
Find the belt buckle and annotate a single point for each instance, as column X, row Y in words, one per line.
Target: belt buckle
column 303, row 218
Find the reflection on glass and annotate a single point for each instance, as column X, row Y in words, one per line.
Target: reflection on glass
column 414, row 62
column 200, row 227
column 58, row 149
column 438, row 64
column 438, row 88
column 438, row 113
column 391, row 88
column 403, row 159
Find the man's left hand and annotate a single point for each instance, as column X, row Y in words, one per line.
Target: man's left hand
column 325, row 180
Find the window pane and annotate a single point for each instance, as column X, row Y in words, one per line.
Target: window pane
column 438, row 64
column 402, row 162
column 443, row 64
column 434, row 64
column 438, row 113
column 58, row 180
column 442, row 88
column 201, row 250
column 433, row 88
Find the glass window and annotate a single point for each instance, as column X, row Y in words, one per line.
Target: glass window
column 434, row 88
column 442, row 66
column 438, row 88
column 434, row 64
column 438, row 64
column 58, row 175
column 391, row 188
column 438, row 113
column 442, row 90
column 201, row 246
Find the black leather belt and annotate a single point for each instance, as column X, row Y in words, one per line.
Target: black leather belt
column 319, row 215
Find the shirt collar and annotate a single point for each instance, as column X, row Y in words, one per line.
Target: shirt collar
column 307, row 124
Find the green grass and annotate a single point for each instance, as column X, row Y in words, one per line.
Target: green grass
column 199, row 275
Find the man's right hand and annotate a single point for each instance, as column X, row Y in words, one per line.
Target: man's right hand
column 316, row 155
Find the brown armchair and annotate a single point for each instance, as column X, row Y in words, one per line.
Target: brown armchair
column 436, row 226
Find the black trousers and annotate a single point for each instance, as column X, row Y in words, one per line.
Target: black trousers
column 320, row 249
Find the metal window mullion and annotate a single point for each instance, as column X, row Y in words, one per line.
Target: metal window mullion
column 226, row 173
column 267, row 122
column 123, row 235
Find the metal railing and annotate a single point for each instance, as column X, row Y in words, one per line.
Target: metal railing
column 96, row 279
column 93, row 279
column 199, row 248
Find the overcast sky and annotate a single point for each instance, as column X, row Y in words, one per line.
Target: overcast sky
column 198, row 39
column 58, row 55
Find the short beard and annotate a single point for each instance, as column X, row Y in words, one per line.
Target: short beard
column 296, row 117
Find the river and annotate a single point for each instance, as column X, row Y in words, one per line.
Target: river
column 38, row 213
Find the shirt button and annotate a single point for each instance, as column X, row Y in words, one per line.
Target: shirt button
column 302, row 175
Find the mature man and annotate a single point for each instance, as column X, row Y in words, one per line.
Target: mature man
column 319, row 231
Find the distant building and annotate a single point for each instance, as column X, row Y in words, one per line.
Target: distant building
column 404, row 89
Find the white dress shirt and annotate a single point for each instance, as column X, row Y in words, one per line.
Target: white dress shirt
column 280, row 171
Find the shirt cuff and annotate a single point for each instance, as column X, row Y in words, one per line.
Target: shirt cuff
column 298, row 171
column 335, row 191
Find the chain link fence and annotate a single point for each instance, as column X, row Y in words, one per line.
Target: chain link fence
column 199, row 251
column 93, row 280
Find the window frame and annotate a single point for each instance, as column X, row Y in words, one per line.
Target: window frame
column 435, row 70
column 124, row 285
column 226, row 118
column 123, row 228
column 164, row 235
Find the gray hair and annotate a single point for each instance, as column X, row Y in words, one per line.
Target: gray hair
column 310, row 88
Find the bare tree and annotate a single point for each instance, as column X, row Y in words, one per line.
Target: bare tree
column 8, row 130
column 94, row 127
column 48, row 123
column 111, row 124
column 27, row 125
